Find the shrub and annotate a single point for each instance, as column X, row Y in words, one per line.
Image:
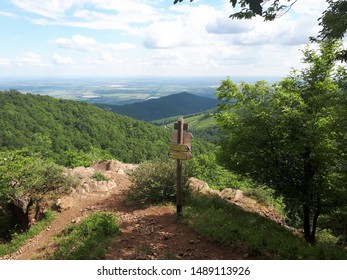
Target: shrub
column 26, row 179
column 205, row 167
column 97, row 176
column 154, row 182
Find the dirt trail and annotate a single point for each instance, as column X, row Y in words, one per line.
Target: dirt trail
column 150, row 233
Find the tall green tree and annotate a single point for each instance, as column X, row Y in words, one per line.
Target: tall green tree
column 334, row 24
column 291, row 135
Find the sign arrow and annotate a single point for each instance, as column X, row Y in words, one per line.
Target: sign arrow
column 179, row 147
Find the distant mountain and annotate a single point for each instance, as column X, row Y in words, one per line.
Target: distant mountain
column 172, row 105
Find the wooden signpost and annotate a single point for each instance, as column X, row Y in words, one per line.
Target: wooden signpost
column 180, row 150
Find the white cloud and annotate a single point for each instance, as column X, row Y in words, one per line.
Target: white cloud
column 58, row 59
column 87, row 44
column 164, row 35
column 31, row 59
column 130, row 11
column 5, row 62
column 224, row 25
column 46, row 8
column 166, row 54
column 185, row 38
column 77, row 42
column 187, row 28
column 92, row 14
column 7, row 14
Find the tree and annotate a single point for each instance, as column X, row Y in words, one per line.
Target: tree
column 26, row 180
column 291, row 135
column 334, row 23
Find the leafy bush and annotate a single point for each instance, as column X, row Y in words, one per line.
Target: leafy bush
column 205, row 167
column 87, row 240
column 24, row 173
column 98, row 176
column 74, row 158
column 26, row 179
column 154, row 182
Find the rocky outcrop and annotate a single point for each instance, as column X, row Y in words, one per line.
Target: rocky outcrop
column 89, row 186
column 19, row 207
column 199, row 186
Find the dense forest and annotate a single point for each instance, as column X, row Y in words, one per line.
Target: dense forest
column 75, row 133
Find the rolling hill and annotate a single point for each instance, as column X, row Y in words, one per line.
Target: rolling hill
column 72, row 132
column 172, row 105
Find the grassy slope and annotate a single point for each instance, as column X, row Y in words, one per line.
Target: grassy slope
column 202, row 125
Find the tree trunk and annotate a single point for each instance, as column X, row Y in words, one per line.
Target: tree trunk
column 314, row 225
column 309, row 173
column 307, row 224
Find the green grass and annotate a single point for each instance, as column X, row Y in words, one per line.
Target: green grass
column 169, row 121
column 88, row 240
column 19, row 239
column 225, row 223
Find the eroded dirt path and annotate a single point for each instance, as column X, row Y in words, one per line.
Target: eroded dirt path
column 150, row 233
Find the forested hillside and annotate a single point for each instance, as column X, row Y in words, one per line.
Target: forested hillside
column 172, row 105
column 72, row 132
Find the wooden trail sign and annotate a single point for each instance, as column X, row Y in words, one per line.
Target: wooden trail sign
column 180, row 150
column 179, row 147
column 187, row 137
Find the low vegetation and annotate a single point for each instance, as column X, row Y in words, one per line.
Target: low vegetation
column 98, row 176
column 223, row 222
column 88, row 240
column 206, row 168
column 154, row 182
column 262, row 238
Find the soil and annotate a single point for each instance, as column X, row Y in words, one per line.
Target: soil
column 150, row 233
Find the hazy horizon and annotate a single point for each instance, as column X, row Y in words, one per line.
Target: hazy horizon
column 119, row 90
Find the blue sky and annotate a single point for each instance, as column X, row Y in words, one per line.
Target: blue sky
column 149, row 38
